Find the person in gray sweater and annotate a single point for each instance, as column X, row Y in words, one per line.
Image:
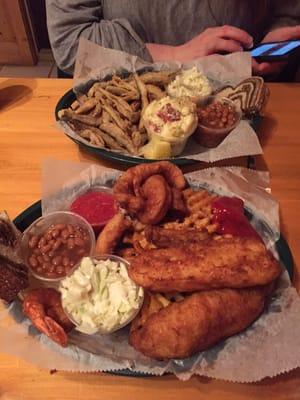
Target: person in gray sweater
column 181, row 30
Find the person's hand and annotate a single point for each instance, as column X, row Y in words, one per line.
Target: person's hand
column 224, row 39
column 277, row 35
column 283, row 34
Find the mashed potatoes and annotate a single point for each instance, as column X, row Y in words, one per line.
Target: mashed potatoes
column 170, row 120
column 191, row 83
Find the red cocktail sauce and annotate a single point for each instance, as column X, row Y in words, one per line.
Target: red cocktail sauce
column 96, row 207
column 228, row 213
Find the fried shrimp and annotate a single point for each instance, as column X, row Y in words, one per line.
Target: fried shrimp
column 148, row 191
column 43, row 307
column 111, row 234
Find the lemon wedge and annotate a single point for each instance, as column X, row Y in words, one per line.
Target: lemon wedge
column 156, row 149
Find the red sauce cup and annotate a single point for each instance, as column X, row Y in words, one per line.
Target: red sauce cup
column 97, row 206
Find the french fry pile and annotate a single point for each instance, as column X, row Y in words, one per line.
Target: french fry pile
column 109, row 116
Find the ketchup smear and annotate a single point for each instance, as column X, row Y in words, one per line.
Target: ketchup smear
column 228, row 213
column 96, row 207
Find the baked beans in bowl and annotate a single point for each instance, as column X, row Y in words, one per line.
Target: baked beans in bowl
column 217, row 117
column 53, row 245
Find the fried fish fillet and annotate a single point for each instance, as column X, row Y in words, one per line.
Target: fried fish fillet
column 196, row 323
column 234, row 262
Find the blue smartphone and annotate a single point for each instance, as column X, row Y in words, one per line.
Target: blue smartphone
column 275, row 51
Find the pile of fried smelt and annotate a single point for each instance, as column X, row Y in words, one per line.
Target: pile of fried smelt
column 109, row 115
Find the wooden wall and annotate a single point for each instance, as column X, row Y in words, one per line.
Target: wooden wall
column 16, row 41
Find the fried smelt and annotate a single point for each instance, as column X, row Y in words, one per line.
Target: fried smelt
column 119, row 135
column 87, row 106
column 69, row 115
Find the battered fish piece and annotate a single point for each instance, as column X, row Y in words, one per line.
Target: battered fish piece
column 196, row 323
column 235, row 262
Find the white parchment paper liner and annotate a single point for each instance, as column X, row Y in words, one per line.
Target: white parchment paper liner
column 269, row 347
column 94, row 62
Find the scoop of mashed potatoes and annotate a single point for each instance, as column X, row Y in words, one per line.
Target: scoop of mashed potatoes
column 171, row 118
column 191, row 83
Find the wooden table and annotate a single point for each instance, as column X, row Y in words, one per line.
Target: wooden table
column 28, row 135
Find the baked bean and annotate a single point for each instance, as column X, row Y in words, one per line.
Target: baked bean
column 65, row 234
column 59, row 227
column 60, row 269
column 66, row 261
column 55, row 233
column 46, row 257
column 33, row 261
column 79, row 242
column 39, row 270
column 37, row 251
column 78, row 235
column 40, row 259
column 57, row 244
column 51, row 268
column 46, row 266
column 33, row 241
column 46, row 248
column 70, row 244
column 48, row 235
column 70, row 229
column 42, row 242
column 57, row 260
column 51, row 254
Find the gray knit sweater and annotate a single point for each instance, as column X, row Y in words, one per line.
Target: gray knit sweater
column 129, row 24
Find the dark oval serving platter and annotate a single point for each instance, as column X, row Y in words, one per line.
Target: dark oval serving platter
column 28, row 216
column 69, row 97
